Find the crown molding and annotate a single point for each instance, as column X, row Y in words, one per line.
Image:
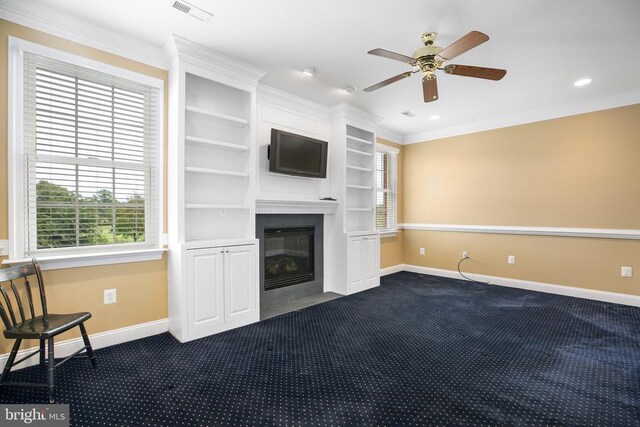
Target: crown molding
column 390, row 135
column 188, row 51
column 269, row 95
column 52, row 22
column 349, row 112
column 599, row 104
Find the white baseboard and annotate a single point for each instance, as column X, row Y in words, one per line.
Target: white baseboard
column 390, row 270
column 550, row 288
column 99, row 340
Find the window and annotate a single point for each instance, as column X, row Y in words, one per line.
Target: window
column 386, row 189
column 86, row 160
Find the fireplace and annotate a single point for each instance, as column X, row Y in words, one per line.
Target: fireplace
column 288, row 256
column 291, row 256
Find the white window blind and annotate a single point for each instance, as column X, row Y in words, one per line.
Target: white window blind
column 90, row 159
column 386, row 191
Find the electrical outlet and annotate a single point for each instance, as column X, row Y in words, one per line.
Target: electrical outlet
column 626, row 272
column 110, row 296
column 465, row 254
column 511, row 259
column 422, row 251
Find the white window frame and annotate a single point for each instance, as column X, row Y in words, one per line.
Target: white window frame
column 94, row 255
column 393, row 155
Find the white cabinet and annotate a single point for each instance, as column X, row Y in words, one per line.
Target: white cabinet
column 354, row 259
column 221, row 289
column 363, row 262
column 212, row 262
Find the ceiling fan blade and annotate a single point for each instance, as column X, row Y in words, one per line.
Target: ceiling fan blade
column 478, row 72
column 388, row 81
column 471, row 40
column 392, row 55
column 430, row 88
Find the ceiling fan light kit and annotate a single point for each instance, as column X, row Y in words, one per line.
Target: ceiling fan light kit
column 430, row 58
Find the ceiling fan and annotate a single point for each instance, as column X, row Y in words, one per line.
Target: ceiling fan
column 430, row 58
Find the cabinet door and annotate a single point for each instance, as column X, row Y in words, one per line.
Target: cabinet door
column 371, row 261
column 241, row 284
column 205, row 290
column 356, row 263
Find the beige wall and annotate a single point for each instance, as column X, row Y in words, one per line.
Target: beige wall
column 579, row 171
column 391, row 248
column 142, row 287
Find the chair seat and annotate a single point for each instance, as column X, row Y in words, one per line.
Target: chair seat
column 38, row 328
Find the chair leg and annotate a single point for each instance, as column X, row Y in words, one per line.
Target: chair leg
column 42, row 354
column 87, row 344
column 51, row 364
column 10, row 360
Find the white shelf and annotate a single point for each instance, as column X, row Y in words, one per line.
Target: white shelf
column 358, row 168
column 217, row 144
column 215, row 171
column 214, row 206
column 224, row 118
column 359, row 187
column 359, row 209
column 360, row 140
column 359, row 153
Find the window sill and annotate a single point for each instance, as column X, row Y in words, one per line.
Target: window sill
column 88, row 260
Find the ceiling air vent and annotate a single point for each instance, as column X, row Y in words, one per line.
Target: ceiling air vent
column 191, row 10
column 408, row 114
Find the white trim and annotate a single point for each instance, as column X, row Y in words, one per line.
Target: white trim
column 389, row 135
column 597, row 233
column 98, row 340
column 605, row 103
column 276, row 97
column 550, row 288
column 296, row 206
column 81, row 61
column 15, row 150
column 355, row 115
column 92, row 259
column 387, row 149
column 42, row 18
column 393, row 269
column 179, row 48
column 4, row 247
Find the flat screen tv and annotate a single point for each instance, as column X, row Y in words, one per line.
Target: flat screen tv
column 298, row 155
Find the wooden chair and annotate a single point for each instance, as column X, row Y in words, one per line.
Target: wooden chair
column 44, row 327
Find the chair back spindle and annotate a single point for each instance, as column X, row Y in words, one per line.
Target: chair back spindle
column 18, row 299
column 12, row 275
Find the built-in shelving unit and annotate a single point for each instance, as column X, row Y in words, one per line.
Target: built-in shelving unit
column 212, row 262
column 360, row 176
column 355, row 258
column 217, row 155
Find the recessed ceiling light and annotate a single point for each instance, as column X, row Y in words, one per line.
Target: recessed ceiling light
column 582, row 82
column 435, row 117
column 350, row 89
column 309, row 71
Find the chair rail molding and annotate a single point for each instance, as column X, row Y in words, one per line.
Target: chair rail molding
column 597, row 233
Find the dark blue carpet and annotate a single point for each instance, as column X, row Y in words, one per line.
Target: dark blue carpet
column 419, row 350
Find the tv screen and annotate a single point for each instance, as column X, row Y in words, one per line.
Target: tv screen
column 299, row 155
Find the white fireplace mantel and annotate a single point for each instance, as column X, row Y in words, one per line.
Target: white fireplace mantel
column 274, row 206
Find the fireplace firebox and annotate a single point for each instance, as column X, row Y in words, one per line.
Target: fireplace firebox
column 291, row 256
column 288, row 256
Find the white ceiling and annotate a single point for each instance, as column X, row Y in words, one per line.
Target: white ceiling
column 545, row 45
